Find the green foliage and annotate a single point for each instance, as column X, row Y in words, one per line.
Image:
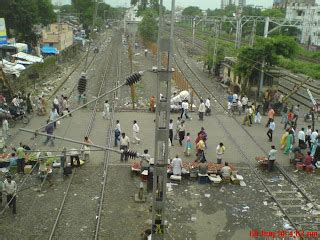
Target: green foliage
column 21, row 15
column 272, row 12
column 285, row 46
column 298, row 66
column 148, row 29
column 192, row 11
column 86, row 10
column 146, row 4
column 269, row 49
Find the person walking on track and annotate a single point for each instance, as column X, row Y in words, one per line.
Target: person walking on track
column 182, row 132
column 272, row 126
column 10, row 188
column 171, row 131
column 270, row 116
column 106, row 110
column 117, row 133
column 201, row 110
column 124, row 146
column 135, row 132
column 271, row 158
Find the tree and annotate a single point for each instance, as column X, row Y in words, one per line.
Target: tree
column 22, row 15
column 273, row 13
column 86, row 10
column 148, row 29
column 146, row 4
column 192, row 11
column 270, row 49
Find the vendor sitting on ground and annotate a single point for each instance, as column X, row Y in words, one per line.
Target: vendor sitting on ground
column 13, row 160
column 176, row 166
column 203, row 167
column 145, row 160
column 226, row 170
column 308, row 159
column 298, row 156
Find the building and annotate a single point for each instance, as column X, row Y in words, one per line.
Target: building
column 282, row 4
column 240, row 3
column 309, row 14
column 59, row 36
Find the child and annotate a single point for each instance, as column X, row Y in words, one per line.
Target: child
column 188, row 145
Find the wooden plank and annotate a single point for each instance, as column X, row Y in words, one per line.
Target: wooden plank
column 291, row 206
column 300, row 216
column 289, row 199
column 279, row 192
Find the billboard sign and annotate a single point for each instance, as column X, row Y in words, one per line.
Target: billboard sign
column 3, row 32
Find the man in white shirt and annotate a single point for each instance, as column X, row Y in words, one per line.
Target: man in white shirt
column 135, row 132
column 56, row 104
column 208, row 107
column 53, row 116
column 234, row 97
column 176, row 166
column 271, row 129
column 117, row 132
column 106, row 110
column 10, row 188
column 314, row 136
column 244, row 102
column 145, row 160
column 271, row 158
column 308, row 135
column 185, row 110
column 301, row 138
column 226, row 170
column 201, row 110
column 124, row 145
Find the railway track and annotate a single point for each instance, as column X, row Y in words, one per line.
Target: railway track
column 246, row 42
column 286, row 81
column 109, row 138
column 69, row 211
column 76, row 70
column 290, row 198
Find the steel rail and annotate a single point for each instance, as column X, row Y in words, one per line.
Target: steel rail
column 88, row 131
column 289, row 179
column 76, row 67
column 106, row 161
column 291, row 79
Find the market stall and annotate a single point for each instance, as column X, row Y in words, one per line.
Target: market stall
column 30, row 160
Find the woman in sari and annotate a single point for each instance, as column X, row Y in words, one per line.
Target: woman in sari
column 283, row 139
column 289, row 143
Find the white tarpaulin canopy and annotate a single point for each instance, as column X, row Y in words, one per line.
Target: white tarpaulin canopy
column 12, row 68
column 28, row 58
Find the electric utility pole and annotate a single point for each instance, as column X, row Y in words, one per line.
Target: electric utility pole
column 165, row 47
column 265, row 35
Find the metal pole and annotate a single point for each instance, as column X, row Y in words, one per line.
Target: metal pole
column 265, row 35
column 193, row 30
column 253, row 33
column 165, row 46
